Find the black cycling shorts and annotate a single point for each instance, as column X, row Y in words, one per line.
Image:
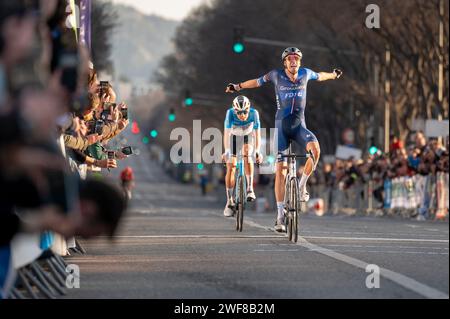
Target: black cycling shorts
column 237, row 142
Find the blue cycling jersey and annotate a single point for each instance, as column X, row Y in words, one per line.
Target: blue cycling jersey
column 241, row 128
column 291, row 97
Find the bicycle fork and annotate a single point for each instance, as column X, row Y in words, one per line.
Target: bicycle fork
column 240, row 174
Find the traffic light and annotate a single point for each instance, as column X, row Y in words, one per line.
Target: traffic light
column 154, row 133
column 172, row 116
column 188, row 101
column 238, row 40
column 135, row 128
column 373, row 149
column 200, row 167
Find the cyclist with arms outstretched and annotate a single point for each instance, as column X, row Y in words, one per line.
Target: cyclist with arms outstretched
column 290, row 89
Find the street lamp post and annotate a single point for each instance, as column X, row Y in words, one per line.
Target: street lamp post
column 387, row 105
column 441, row 59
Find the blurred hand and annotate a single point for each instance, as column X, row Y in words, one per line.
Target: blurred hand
column 259, row 158
column 93, row 138
column 83, row 128
column 106, row 163
column 123, row 124
column 115, row 113
column 76, row 126
column 120, row 155
column 105, row 98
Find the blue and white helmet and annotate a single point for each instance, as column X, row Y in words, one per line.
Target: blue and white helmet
column 241, row 103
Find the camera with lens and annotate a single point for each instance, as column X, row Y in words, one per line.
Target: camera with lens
column 124, row 113
column 104, row 86
column 95, row 127
column 127, row 150
column 107, row 110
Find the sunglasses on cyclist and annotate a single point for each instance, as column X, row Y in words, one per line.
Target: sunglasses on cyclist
column 242, row 112
column 293, row 57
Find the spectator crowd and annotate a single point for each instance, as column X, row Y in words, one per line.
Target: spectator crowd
column 56, row 119
column 413, row 177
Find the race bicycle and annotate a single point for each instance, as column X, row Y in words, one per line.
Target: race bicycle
column 292, row 202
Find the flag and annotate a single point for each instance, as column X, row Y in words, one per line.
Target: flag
column 85, row 22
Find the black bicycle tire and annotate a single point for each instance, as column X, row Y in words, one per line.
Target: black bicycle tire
column 296, row 212
column 241, row 203
column 236, row 203
column 287, row 207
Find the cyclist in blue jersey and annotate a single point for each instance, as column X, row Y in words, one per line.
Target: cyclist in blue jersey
column 290, row 90
column 242, row 126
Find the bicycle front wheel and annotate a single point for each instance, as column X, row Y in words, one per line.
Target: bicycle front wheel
column 239, row 203
column 240, row 208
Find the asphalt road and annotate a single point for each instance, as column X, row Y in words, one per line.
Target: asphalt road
column 176, row 244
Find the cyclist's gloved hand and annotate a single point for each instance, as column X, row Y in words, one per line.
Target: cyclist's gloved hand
column 231, row 88
column 338, row 73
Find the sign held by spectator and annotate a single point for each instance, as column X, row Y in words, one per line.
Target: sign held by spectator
column 436, row 128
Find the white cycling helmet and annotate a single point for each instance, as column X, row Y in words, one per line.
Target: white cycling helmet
column 290, row 51
column 241, row 103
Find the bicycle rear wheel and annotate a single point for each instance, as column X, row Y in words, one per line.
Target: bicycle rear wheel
column 287, row 204
column 295, row 191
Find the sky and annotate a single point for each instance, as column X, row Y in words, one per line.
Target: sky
column 171, row 9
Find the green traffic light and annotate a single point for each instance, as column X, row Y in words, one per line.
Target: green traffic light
column 373, row 150
column 200, row 166
column 238, row 47
column 172, row 117
column 154, row 133
column 188, row 101
column 271, row 159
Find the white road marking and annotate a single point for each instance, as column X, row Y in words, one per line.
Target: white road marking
column 390, row 246
column 389, row 252
column 402, row 280
column 365, row 233
column 195, row 236
column 419, row 240
column 366, row 246
column 275, row 250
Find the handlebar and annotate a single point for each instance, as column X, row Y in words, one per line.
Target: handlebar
column 296, row 156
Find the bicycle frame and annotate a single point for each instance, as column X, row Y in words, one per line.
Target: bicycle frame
column 292, row 173
column 240, row 172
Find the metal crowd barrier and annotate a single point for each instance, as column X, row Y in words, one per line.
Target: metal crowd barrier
column 424, row 197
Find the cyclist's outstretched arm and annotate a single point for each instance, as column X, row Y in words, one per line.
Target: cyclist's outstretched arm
column 250, row 84
column 325, row 76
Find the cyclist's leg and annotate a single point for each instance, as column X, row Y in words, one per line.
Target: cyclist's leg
column 308, row 141
column 247, row 152
column 281, row 168
column 230, row 180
